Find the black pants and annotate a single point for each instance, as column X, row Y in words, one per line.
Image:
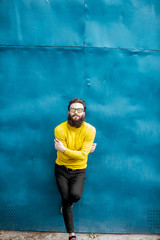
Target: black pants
column 70, row 184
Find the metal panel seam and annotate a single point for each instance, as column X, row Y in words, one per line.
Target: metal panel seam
column 48, row 46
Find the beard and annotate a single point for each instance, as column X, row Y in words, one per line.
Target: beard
column 75, row 123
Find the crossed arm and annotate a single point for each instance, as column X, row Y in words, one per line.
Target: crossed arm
column 87, row 147
column 60, row 147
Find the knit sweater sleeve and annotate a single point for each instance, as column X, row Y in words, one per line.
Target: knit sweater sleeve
column 86, row 146
column 59, row 134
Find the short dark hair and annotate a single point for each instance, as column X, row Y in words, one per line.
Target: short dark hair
column 77, row 100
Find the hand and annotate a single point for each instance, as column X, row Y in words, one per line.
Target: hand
column 93, row 147
column 59, row 145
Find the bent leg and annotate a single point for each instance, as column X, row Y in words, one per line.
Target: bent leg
column 76, row 186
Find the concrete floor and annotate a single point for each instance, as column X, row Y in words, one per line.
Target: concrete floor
column 22, row 235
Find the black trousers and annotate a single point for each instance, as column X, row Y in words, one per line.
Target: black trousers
column 70, row 184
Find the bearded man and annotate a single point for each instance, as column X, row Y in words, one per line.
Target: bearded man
column 73, row 142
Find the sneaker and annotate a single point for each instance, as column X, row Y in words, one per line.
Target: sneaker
column 72, row 237
column 61, row 210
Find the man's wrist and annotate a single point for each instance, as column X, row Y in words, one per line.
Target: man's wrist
column 64, row 149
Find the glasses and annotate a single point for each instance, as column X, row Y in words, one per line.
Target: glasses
column 79, row 110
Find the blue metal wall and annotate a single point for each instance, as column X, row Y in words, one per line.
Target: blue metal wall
column 108, row 53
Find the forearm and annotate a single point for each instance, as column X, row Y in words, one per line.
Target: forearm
column 62, row 148
column 81, row 154
column 75, row 154
column 70, row 157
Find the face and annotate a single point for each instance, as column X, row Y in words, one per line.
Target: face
column 76, row 115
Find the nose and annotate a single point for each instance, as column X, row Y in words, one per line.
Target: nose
column 76, row 114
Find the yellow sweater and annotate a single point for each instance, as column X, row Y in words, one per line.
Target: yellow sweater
column 78, row 143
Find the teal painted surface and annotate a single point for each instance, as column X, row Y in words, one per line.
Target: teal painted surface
column 108, row 55
column 42, row 22
column 123, row 24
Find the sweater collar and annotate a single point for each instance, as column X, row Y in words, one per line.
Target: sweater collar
column 74, row 128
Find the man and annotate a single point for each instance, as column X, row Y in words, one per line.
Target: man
column 73, row 142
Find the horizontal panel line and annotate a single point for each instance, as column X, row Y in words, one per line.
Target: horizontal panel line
column 51, row 46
